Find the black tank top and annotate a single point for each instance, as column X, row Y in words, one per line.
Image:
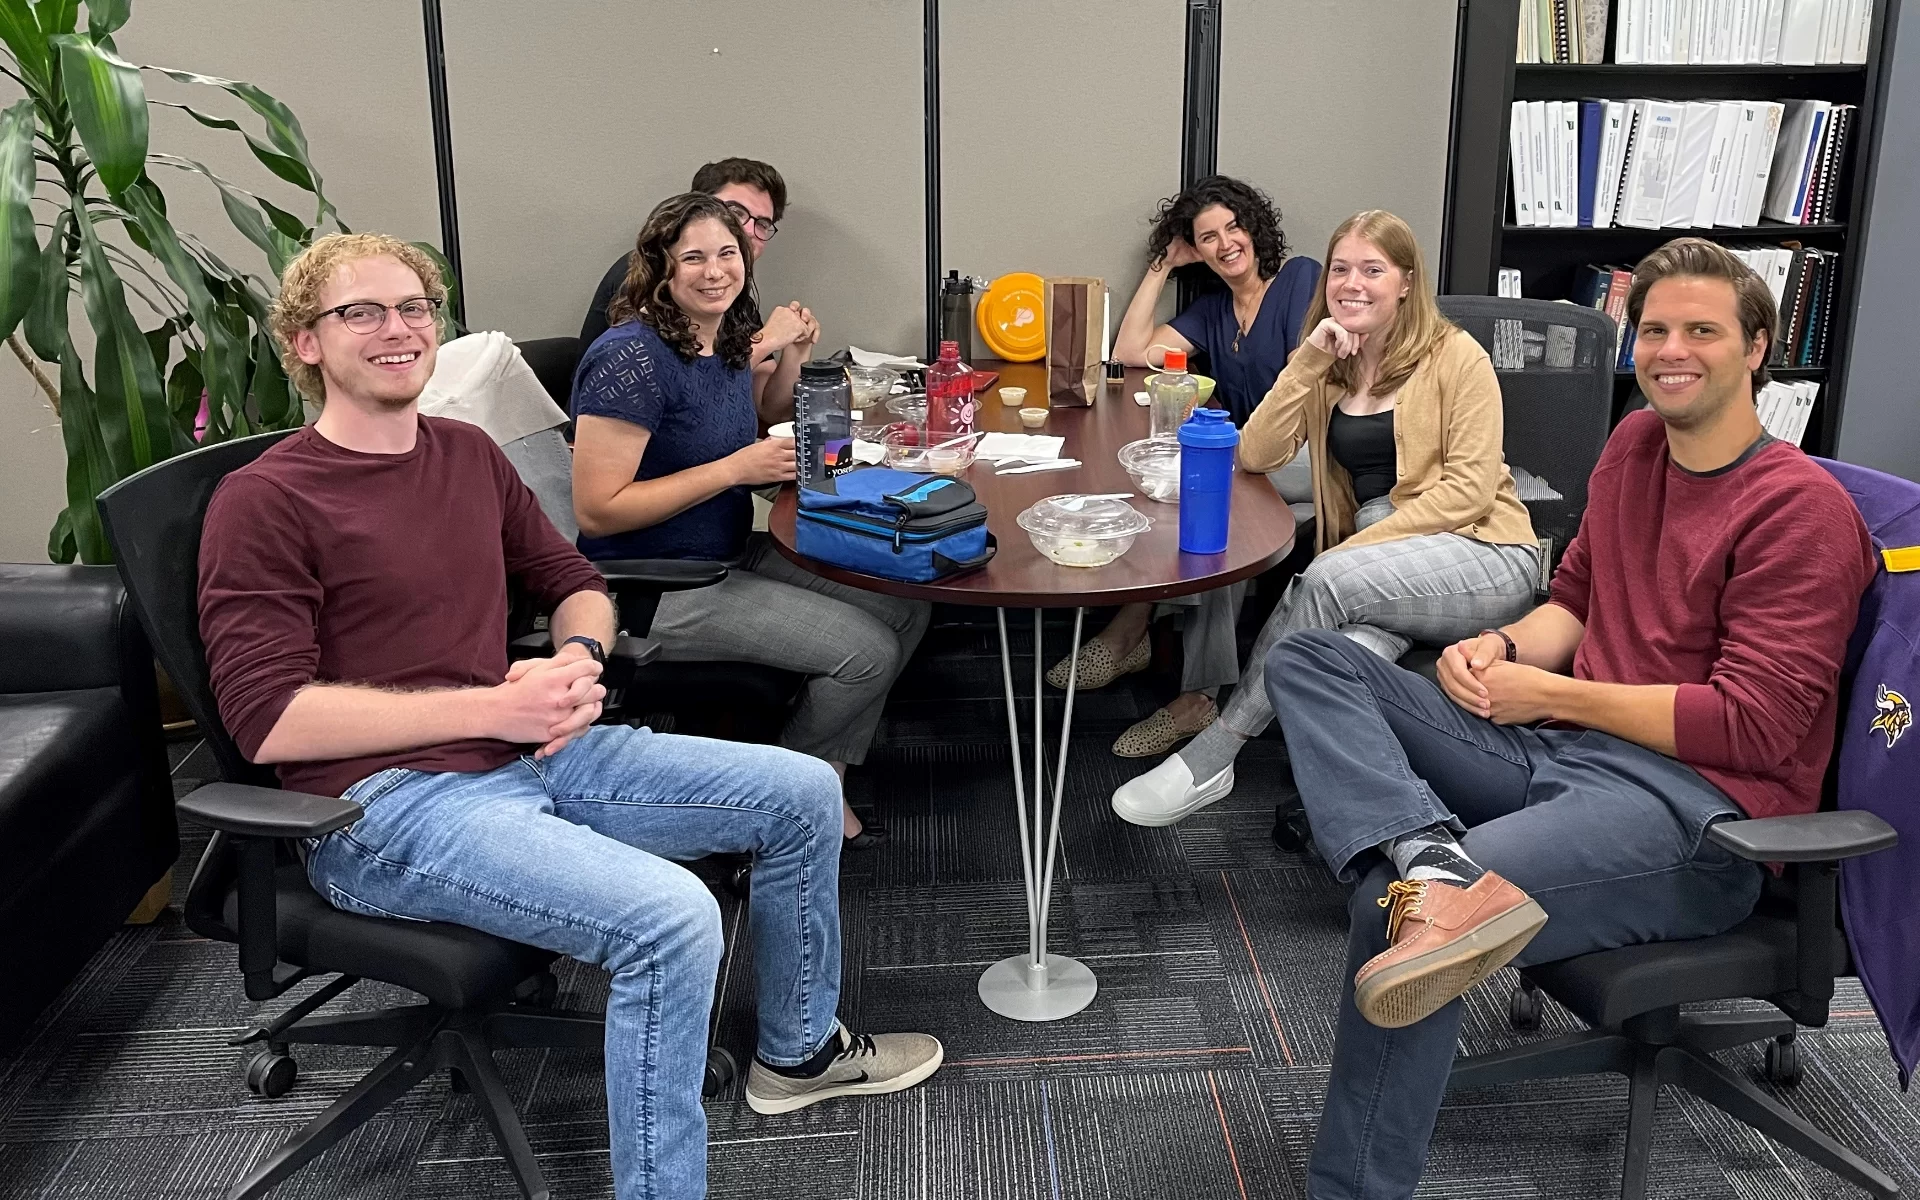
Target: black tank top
column 1364, row 446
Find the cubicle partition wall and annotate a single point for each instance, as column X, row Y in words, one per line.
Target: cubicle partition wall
column 1334, row 106
column 571, row 120
column 1059, row 132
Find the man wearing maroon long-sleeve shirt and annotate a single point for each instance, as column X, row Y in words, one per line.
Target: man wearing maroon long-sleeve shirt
column 353, row 606
column 1551, row 796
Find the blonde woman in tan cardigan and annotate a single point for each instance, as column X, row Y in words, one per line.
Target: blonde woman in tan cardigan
column 1421, row 536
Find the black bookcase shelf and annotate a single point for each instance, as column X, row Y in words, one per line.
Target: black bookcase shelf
column 1480, row 238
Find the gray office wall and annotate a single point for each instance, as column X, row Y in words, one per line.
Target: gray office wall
column 572, row 120
column 1880, row 427
column 1059, row 130
column 1334, row 106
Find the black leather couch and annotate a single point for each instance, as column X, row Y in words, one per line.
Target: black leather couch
column 86, row 807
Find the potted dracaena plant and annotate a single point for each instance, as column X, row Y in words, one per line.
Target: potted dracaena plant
column 194, row 362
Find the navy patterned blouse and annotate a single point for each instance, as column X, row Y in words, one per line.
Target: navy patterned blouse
column 697, row 412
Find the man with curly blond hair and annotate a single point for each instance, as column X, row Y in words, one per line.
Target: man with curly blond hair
column 353, row 604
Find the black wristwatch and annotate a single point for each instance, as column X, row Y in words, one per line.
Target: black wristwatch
column 593, row 646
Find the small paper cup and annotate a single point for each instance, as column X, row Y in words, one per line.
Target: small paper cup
column 783, row 429
column 1013, row 397
column 1033, row 418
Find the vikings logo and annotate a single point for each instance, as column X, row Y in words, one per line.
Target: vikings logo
column 1894, row 715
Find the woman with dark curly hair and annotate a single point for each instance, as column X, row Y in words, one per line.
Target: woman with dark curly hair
column 664, row 457
column 1246, row 330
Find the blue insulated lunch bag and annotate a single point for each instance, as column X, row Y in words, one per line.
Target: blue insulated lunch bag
column 894, row 524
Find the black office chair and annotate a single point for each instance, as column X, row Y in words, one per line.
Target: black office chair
column 738, row 701
column 482, row 993
column 1787, row 954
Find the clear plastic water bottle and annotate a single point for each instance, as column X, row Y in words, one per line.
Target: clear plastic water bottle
column 822, row 428
column 949, row 395
column 1207, row 443
column 1171, row 396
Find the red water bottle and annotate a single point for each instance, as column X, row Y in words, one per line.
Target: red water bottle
column 949, row 395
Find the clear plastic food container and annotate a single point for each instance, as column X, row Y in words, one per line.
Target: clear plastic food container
column 871, row 385
column 1083, row 531
column 1154, row 464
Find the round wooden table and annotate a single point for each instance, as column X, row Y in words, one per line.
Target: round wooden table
column 1038, row 986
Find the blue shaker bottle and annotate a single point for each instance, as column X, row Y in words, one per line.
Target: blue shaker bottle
column 1207, row 442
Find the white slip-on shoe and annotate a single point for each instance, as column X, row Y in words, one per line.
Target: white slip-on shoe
column 1167, row 794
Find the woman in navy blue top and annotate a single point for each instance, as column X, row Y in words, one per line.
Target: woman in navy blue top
column 1247, row 329
column 664, row 459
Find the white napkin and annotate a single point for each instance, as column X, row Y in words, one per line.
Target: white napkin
column 1034, row 447
column 874, row 358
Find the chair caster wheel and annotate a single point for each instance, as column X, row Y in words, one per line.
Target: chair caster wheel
column 1291, row 831
column 1783, row 1061
column 721, row 1073
column 271, row 1074
column 1523, row 1008
column 740, row 881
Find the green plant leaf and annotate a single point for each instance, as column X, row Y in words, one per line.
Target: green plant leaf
column 273, row 396
column 46, row 321
column 245, row 217
column 57, row 16
column 19, row 248
column 60, row 544
column 132, row 403
column 224, row 361
column 105, row 16
column 286, row 167
column 185, row 389
column 109, row 106
column 449, row 326
column 90, row 469
column 283, row 133
column 21, row 31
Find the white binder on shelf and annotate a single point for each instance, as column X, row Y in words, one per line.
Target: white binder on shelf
column 1570, row 160
column 1690, row 164
column 1517, row 163
column 1859, row 31
column 1800, row 32
column 1770, row 30
column 1650, row 176
column 1760, row 165
column 1537, row 160
column 1726, row 122
column 1613, row 148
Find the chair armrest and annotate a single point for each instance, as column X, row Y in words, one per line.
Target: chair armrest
column 247, row 811
column 662, row 574
column 637, row 651
column 1807, row 837
column 637, row 583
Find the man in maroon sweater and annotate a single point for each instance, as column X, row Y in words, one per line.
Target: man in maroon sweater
column 353, row 605
column 1551, row 796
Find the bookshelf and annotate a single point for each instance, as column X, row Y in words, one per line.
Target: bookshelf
column 1481, row 236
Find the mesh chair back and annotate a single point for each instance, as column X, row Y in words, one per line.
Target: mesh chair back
column 553, row 360
column 153, row 520
column 1555, row 363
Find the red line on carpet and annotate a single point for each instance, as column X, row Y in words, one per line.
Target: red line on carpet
column 1233, row 1156
column 1259, row 976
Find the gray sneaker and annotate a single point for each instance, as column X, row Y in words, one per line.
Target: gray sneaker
column 869, row 1064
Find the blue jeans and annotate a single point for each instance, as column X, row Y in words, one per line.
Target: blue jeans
column 1608, row 836
column 573, row 854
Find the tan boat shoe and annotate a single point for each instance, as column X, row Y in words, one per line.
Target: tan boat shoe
column 1098, row 667
column 1160, row 733
column 1445, row 939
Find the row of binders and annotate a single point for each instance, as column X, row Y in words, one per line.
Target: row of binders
column 1784, row 406
column 1658, row 164
column 1789, row 32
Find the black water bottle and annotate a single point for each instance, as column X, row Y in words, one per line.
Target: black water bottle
column 956, row 313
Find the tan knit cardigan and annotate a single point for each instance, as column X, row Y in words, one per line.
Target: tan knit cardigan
column 1449, row 477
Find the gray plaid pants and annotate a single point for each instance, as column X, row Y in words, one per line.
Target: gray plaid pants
column 1436, row 588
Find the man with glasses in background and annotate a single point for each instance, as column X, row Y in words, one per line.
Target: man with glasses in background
column 756, row 195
